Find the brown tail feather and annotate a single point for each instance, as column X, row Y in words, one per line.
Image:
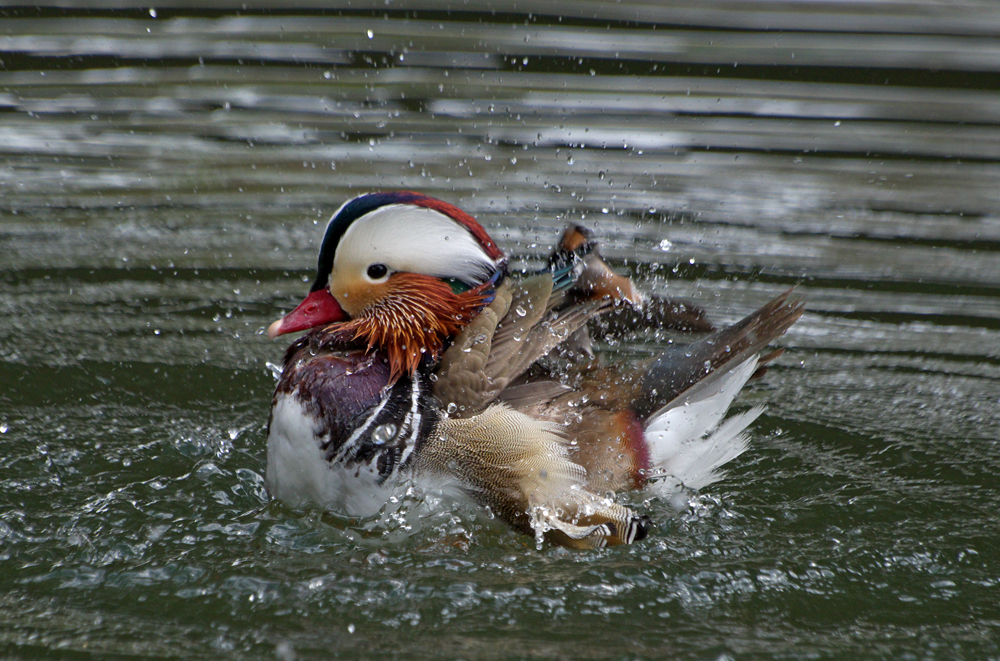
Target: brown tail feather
column 656, row 313
column 764, row 362
column 682, row 366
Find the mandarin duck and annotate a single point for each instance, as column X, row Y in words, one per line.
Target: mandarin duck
column 426, row 360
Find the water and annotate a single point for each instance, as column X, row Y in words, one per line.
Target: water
column 164, row 181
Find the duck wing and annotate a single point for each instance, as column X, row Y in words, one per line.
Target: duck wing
column 520, row 326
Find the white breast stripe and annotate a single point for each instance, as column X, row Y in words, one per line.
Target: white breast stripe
column 352, row 440
column 414, row 416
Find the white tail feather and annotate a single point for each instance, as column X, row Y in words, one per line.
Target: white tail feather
column 687, row 443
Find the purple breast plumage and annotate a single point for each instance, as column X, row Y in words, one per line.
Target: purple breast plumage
column 364, row 432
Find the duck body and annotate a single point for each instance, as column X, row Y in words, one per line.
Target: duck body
column 439, row 367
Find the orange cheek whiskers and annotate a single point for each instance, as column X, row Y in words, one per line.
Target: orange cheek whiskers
column 415, row 316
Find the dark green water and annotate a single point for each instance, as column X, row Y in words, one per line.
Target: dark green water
column 163, row 185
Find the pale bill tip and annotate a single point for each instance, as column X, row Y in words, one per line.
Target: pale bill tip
column 274, row 330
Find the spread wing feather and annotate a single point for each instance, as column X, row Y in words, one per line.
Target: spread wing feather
column 518, row 328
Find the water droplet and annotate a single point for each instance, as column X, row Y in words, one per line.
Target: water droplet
column 3, row 427
column 520, row 311
column 383, row 433
column 452, row 407
column 371, row 34
column 275, row 370
column 152, row 12
column 284, row 651
column 350, row 628
column 233, row 433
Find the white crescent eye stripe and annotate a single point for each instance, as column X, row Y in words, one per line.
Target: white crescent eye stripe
column 414, row 239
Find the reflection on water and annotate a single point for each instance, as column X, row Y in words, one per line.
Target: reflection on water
column 164, row 177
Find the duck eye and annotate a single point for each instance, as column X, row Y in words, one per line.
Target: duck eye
column 377, row 271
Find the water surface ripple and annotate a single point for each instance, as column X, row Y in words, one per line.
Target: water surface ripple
column 164, row 178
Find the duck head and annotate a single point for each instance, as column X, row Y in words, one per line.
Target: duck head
column 402, row 272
